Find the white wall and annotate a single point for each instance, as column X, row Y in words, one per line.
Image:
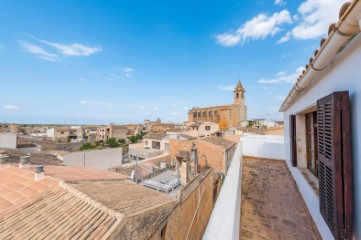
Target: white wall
column 263, row 146
column 102, row 158
column 342, row 75
column 226, row 215
column 8, row 140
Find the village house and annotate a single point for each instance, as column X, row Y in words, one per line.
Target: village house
column 202, row 129
column 226, row 116
column 321, row 152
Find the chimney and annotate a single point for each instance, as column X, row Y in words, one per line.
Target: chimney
column 184, row 168
column 4, row 161
column 39, row 173
column 24, row 162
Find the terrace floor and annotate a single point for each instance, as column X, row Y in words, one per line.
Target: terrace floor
column 272, row 207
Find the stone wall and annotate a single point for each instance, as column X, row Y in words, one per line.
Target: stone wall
column 178, row 145
column 190, row 218
column 212, row 155
column 147, row 224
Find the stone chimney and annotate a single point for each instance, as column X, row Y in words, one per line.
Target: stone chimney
column 24, row 162
column 39, row 173
column 4, row 161
column 184, row 166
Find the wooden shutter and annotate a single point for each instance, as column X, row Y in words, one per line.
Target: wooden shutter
column 335, row 167
column 293, row 148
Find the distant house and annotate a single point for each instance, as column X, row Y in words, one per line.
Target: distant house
column 263, row 123
column 202, row 129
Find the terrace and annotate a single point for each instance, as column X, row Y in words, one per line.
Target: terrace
column 260, row 199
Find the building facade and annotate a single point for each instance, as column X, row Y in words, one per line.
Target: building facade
column 226, row 116
column 322, row 131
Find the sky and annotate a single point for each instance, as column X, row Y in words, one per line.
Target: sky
column 100, row 62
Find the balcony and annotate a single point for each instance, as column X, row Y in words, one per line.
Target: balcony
column 260, row 199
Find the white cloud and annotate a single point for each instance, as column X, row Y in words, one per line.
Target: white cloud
column 148, row 113
column 174, row 113
column 127, row 71
column 259, row 27
column 226, row 88
column 283, row 77
column 83, row 102
column 56, row 52
column 39, row 52
column 73, row 49
column 156, row 109
column 11, row 107
column 315, row 17
column 285, row 38
column 280, row 2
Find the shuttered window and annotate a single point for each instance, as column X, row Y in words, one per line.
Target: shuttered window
column 335, row 167
column 293, row 148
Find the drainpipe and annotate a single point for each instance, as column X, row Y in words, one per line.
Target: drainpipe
column 339, row 36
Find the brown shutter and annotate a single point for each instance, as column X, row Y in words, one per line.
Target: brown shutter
column 293, row 148
column 335, row 168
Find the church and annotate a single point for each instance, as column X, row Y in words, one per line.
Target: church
column 226, row 116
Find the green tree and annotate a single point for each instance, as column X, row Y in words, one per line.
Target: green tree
column 112, row 142
column 87, row 146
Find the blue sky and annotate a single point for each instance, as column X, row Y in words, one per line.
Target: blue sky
column 97, row 62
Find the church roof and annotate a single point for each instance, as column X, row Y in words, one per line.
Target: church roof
column 239, row 86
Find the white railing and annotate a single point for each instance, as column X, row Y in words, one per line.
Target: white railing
column 225, row 220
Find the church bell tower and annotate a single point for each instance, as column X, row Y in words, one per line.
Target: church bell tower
column 239, row 94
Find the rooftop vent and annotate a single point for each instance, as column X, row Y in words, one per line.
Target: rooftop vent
column 39, row 173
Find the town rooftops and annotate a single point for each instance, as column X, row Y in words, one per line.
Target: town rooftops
column 218, row 141
column 155, row 136
column 51, row 208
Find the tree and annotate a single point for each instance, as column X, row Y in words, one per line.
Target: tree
column 112, row 142
column 87, row 146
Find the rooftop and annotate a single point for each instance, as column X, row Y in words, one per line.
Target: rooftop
column 218, row 141
column 123, row 196
column 18, row 188
column 155, row 136
column 75, row 173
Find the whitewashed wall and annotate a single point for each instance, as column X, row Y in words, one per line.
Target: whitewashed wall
column 264, row 146
column 344, row 74
column 102, row 159
column 8, row 140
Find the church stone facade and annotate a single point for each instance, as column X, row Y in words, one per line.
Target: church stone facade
column 226, row 116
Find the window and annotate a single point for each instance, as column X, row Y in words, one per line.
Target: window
column 293, row 147
column 208, row 128
column 311, row 142
column 146, row 142
column 155, row 145
column 335, row 165
column 237, row 95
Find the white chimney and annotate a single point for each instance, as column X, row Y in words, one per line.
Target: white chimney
column 39, row 173
column 24, row 162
